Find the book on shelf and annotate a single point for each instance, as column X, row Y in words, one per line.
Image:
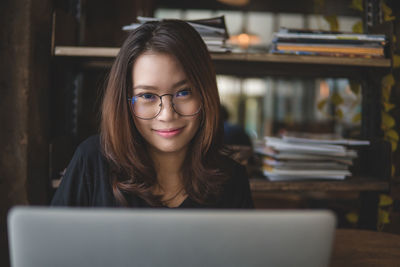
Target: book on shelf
column 328, row 43
column 293, row 175
column 317, row 149
column 306, row 156
column 309, row 138
column 305, row 164
column 332, row 48
column 212, row 30
column 323, row 54
column 270, row 153
column 328, row 35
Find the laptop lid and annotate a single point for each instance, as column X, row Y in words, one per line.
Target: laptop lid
column 150, row 237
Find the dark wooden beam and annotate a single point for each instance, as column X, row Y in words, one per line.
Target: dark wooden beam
column 24, row 84
column 103, row 20
column 39, row 70
column 331, row 7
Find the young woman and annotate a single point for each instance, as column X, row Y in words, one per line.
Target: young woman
column 160, row 142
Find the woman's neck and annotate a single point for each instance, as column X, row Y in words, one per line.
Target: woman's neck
column 169, row 174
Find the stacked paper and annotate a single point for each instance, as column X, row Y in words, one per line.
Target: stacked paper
column 328, row 43
column 292, row 158
column 212, row 30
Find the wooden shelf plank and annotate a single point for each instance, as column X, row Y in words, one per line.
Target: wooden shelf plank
column 272, row 58
column 81, row 51
column 350, row 184
column 109, row 52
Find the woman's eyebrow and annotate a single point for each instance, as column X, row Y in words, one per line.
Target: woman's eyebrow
column 180, row 83
column 149, row 87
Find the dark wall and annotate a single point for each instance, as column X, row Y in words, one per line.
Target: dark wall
column 24, row 82
column 28, row 80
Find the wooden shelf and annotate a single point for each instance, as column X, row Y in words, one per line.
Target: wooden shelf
column 110, row 52
column 351, row 184
column 294, row 59
column 83, row 51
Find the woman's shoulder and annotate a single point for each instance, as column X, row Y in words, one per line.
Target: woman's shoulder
column 236, row 172
column 237, row 188
column 229, row 164
column 90, row 153
column 85, row 181
column 90, row 146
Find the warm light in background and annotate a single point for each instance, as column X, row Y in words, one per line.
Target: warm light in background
column 324, row 89
column 235, row 2
column 244, row 40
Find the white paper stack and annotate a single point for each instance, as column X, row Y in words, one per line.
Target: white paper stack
column 294, row 158
column 212, row 30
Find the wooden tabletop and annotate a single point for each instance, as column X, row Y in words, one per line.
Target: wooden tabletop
column 365, row 248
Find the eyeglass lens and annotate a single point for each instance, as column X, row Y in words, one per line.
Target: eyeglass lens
column 148, row 105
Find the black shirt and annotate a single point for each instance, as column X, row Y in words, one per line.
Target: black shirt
column 86, row 183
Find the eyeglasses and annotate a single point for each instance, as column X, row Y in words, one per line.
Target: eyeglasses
column 147, row 106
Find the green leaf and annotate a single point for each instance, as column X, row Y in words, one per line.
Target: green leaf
column 352, row 217
column 355, row 87
column 394, row 39
column 388, row 106
column 386, row 94
column 383, row 217
column 337, row 99
column 387, row 121
column 394, row 145
column 387, row 12
column 357, row 5
column 357, row 118
column 358, row 27
column 333, row 22
column 393, row 137
column 387, row 84
column 388, row 80
column 321, row 104
column 339, row 113
column 396, row 61
column 385, row 200
column 392, row 134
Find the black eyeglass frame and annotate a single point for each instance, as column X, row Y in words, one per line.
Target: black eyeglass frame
column 130, row 99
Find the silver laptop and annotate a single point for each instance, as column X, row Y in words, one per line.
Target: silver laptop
column 52, row 237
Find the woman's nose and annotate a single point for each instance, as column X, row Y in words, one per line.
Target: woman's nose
column 167, row 109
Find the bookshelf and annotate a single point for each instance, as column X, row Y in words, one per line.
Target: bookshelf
column 367, row 70
column 252, row 64
column 111, row 52
column 266, row 64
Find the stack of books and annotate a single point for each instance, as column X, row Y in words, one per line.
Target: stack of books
column 294, row 158
column 328, row 43
column 212, row 30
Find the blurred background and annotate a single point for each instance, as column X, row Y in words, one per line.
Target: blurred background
column 50, row 102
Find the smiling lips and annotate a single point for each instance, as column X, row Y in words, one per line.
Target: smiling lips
column 169, row 132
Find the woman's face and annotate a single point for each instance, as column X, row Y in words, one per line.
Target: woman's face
column 160, row 74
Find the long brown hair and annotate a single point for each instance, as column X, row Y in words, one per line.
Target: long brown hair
column 132, row 168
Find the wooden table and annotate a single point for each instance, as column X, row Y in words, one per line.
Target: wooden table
column 368, row 189
column 365, row 248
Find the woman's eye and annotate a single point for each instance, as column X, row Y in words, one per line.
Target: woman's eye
column 147, row 96
column 186, row 92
